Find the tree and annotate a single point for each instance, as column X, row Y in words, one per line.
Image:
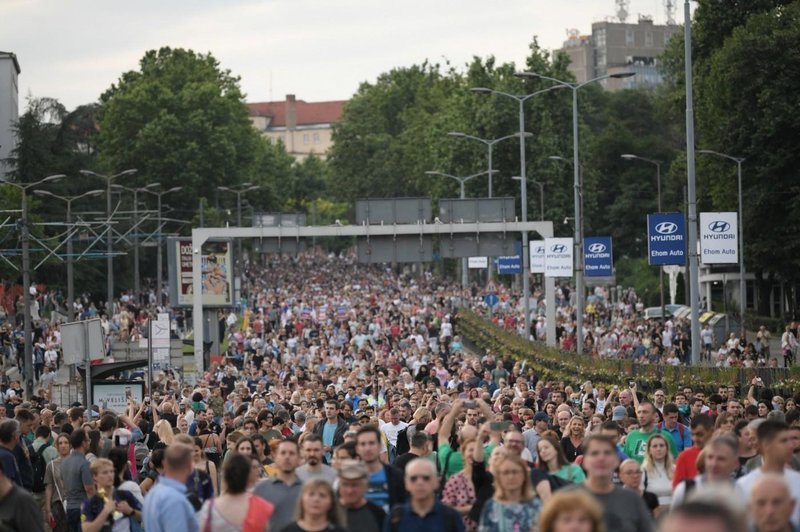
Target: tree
column 180, row 120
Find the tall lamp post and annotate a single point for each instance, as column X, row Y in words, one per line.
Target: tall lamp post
column 541, row 193
column 110, row 236
column 26, row 278
column 526, row 304
column 158, row 195
column 245, row 187
column 135, row 192
column 70, row 255
column 742, row 281
column 631, row 157
column 462, row 181
column 574, row 87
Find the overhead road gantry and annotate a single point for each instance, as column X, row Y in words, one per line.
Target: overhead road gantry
column 202, row 235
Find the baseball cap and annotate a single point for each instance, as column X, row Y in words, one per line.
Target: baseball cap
column 619, row 413
column 352, row 470
column 540, row 416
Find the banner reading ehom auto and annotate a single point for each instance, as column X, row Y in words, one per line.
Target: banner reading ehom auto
column 558, row 257
column 537, row 256
column 666, row 239
column 597, row 257
column 719, row 238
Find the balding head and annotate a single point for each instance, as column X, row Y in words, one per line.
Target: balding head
column 178, row 461
column 771, row 503
column 421, row 480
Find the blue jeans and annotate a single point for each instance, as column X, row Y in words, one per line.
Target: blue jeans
column 74, row 520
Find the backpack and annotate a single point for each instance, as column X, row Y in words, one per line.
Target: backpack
column 680, row 428
column 39, row 466
column 449, row 517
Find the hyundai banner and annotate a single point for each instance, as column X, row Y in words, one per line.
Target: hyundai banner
column 511, row 264
column 719, row 238
column 558, row 257
column 597, row 258
column 666, row 239
column 537, row 256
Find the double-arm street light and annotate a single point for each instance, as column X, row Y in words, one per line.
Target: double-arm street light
column 239, row 191
column 135, row 192
column 657, row 164
column 489, row 143
column 158, row 195
column 742, row 281
column 462, row 181
column 574, row 87
column 526, row 304
column 26, row 277
column 70, row 254
column 110, row 235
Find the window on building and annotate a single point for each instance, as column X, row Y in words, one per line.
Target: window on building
column 630, row 38
column 316, row 138
column 648, row 39
column 306, row 138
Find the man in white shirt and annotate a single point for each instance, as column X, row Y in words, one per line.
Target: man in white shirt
column 393, row 428
column 775, row 447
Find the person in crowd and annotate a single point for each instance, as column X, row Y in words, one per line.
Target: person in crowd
column 423, row 511
column 362, row 515
column 54, row 501
column 203, row 463
column 658, row 469
column 125, row 489
column 636, row 441
column 514, row 505
column 719, row 466
column 9, row 439
column 681, row 434
column 554, row 462
column 236, row 509
column 18, row 508
column 571, row 442
column 420, row 447
column 108, row 508
column 282, row 490
column 78, row 479
column 317, row 509
column 459, row 491
column 313, row 456
column 572, row 511
column 686, row 463
column 702, row 516
column 624, row 510
column 386, row 487
column 166, row 507
column 772, row 505
column 331, row 432
column 630, row 474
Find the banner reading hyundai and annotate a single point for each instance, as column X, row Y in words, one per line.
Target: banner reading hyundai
column 719, row 238
column 666, row 239
column 537, row 256
column 558, row 257
column 597, row 258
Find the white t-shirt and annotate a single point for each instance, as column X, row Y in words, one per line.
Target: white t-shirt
column 392, row 431
column 792, row 478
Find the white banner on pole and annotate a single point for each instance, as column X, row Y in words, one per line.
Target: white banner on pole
column 719, row 238
column 160, row 339
column 537, row 256
column 559, row 257
column 477, row 263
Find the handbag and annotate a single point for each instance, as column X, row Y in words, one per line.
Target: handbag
column 58, row 510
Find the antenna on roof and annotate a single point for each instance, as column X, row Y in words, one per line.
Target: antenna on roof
column 622, row 10
column 270, row 86
column 669, row 10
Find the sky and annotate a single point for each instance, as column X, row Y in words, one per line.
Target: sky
column 73, row 50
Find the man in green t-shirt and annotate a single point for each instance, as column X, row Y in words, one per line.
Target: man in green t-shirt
column 636, row 442
column 450, row 460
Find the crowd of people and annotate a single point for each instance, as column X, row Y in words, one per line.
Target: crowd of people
column 347, row 401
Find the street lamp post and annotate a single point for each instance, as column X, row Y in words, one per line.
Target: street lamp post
column 526, row 304
column 158, row 238
column 462, row 181
column 70, row 255
column 541, row 194
column 574, row 87
column 246, row 187
column 742, row 281
column 110, row 236
column 631, row 157
column 135, row 191
column 26, row 279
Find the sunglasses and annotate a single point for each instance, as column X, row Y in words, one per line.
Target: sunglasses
column 414, row 478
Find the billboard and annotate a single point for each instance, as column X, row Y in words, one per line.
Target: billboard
column 113, row 395
column 719, row 238
column 666, row 239
column 558, row 257
column 216, row 271
column 598, row 260
column 477, row 263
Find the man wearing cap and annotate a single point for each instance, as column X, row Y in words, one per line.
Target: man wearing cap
column 619, row 413
column 362, row 515
column 532, row 436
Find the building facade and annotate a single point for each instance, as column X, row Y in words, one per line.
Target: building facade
column 615, row 47
column 9, row 106
column 303, row 127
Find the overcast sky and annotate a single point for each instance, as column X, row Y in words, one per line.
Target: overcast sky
column 317, row 49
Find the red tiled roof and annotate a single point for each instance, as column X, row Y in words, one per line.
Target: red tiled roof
column 308, row 113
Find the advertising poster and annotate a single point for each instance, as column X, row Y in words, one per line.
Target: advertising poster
column 216, row 273
column 558, row 257
column 719, row 238
column 114, row 395
column 666, row 239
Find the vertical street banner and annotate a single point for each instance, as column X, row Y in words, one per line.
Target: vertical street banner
column 559, row 257
column 537, row 256
column 666, row 239
column 598, row 260
column 160, row 329
column 719, row 238
column 511, row 264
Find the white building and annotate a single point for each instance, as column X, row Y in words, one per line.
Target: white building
column 9, row 105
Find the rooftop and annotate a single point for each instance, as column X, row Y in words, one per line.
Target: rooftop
column 308, row 113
